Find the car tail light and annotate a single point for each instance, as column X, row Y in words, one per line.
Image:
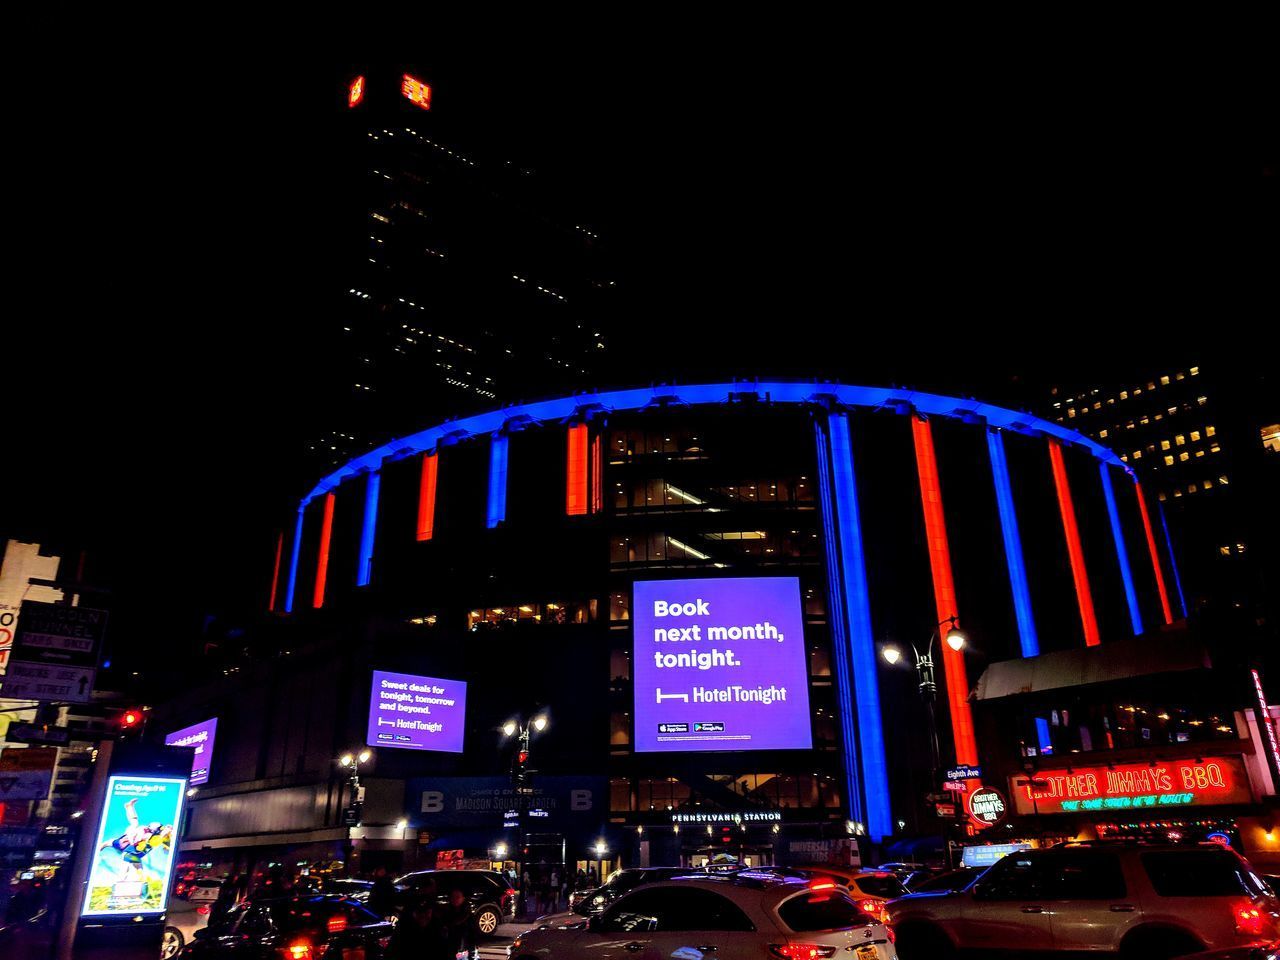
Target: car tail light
column 801, row 951
column 384, row 942
column 822, row 885
column 1249, row 918
column 337, row 923
column 203, row 910
column 298, row 950
column 873, row 909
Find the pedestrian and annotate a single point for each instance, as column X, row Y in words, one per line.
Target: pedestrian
column 555, row 890
column 457, row 926
column 418, row 935
column 382, row 895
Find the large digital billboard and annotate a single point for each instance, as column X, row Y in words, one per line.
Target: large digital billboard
column 200, row 736
column 416, row 713
column 720, row 665
column 134, row 853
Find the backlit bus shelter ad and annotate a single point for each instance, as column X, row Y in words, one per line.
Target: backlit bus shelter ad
column 133, row 856
column 720, row 665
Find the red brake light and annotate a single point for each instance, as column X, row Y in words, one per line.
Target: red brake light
column 298, row 950
column 1249, row 919
column 203, row 910
column 337, row 923
column 801, row 951
column 874, row 909
column 822, row 885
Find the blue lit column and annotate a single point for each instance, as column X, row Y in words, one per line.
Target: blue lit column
column 857, row 617
column 1122, row 552
column 1027, row 635
column 1173, row 561
column 497, row 480
column 368, row 528
column 293, row 562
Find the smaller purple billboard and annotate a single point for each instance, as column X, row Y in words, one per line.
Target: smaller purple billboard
column 416, row 713
column 720, row 665
column 200, row 736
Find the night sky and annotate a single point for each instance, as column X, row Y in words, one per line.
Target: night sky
column 772, row 212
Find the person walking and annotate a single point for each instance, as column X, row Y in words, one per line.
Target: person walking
column 382, row 895
column 457, row 926
column 418, row 935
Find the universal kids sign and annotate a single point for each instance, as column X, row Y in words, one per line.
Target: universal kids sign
column 1131, row 786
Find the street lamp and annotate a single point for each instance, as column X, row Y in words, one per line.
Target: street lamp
column 956, row 640
column 522, row 732
column 351, row 761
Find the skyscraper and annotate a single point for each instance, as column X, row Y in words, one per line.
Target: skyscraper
column 458, row 282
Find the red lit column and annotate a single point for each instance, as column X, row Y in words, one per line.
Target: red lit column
column 1067, row 508
column 1155, row 556
column 275, row 571
column 597, row 477
column 322, row 559
column 575, row 497
column 427, row 496
column 944, row 590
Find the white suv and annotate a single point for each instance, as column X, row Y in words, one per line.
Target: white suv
column 1139, row 901
column 743, row 916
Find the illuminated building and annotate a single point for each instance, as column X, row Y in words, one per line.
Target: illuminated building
column 459, row 283
column 507, row 550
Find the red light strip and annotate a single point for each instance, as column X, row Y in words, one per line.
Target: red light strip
column 415, row 91
column 322, row 560
column 1078, row 573
column 427, row 497
column 575, row 497
column 597, row 490
column 355, row 93
column 944, row 590
column 275, row 571
column 1155, row 557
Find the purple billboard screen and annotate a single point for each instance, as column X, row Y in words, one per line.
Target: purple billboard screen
column 416, row 713
column 720, row 665
column 200, row 736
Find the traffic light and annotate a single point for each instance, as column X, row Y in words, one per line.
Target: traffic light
column 132, row 720
column 518, row 771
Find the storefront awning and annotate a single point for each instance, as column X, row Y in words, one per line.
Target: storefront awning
column 1163, row 652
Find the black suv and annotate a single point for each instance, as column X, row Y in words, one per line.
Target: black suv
column 488, row 892
column 302, row 928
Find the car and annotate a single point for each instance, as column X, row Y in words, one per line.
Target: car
column 871, row 889
column 951, row 880
column 489, row 893
column 184, row 917
column 357, row 890
column 902, row 870
column 740, row 916
column 619, row 882
column 1254, row 951
column 296, row 928
column 1139, row 901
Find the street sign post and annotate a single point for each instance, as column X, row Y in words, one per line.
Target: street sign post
column 964, row 772
column 38, row 733
column 55, row 653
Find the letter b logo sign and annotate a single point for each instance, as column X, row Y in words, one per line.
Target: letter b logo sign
column 432, row 801
column 579, row 799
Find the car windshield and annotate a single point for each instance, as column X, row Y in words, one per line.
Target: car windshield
column 881, row 885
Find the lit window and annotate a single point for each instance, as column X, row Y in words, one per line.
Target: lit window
column 1214, row 448
column 1191, row 488
column 1137, row 391
column 1137, row 454
column 1164, row 381
column 1071, row 413
column 1151, row 386
column 1144, row 421
column 1180, row 440
column 1097, row 405
column 1202, row 400
column 1168, row 460
column 1111, row 400
column 1223, row 480
column 1210, row 431
column 1162, row 497
column 415, row 91
column 1195, row 371
column 1225, row 550
column 1270, row 437
column 1184, row 456
column 1199, row 453
column 1208, row 484
column 1124, row 394
column 355, row 93
column 1180, row 376
column 1195, row 435
column 1164, row 444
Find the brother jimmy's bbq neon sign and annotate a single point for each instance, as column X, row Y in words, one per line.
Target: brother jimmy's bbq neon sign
column 1163, row 783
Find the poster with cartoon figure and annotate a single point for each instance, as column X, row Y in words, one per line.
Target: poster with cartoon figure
column 134, row 854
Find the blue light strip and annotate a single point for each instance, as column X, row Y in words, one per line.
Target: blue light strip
column 1042, row 735
column 497, row 480
column 862, row 647
column 364, row 569
column 1173, row 561
column 1122, row 552
column 773, row 391
column 839, row 634
column 1027, row 635
column 293, row 563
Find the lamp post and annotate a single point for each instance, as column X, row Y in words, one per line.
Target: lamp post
column 351, row 761
column 523, row 733
column 956, row 640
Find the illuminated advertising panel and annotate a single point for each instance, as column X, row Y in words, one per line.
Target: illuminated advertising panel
column 134, row 854
column 1133, row 786
column 720, row 665
column 200, row 736
column 416, row 713
column 355, row 92
column 415, row 91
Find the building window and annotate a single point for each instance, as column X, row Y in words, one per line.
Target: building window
column 1168, row 460
column 1164, row 444
column 1164, row 381
column 1195, row 371
column 1184, row 456
column 1180, row 440
column 1210, row 431
column 1102, row 434
column 1270, row 437
column 1223, row 480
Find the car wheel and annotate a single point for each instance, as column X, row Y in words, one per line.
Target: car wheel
column 1158, row 945
column 920, row 942
column 487, row 920
column 171, row 943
